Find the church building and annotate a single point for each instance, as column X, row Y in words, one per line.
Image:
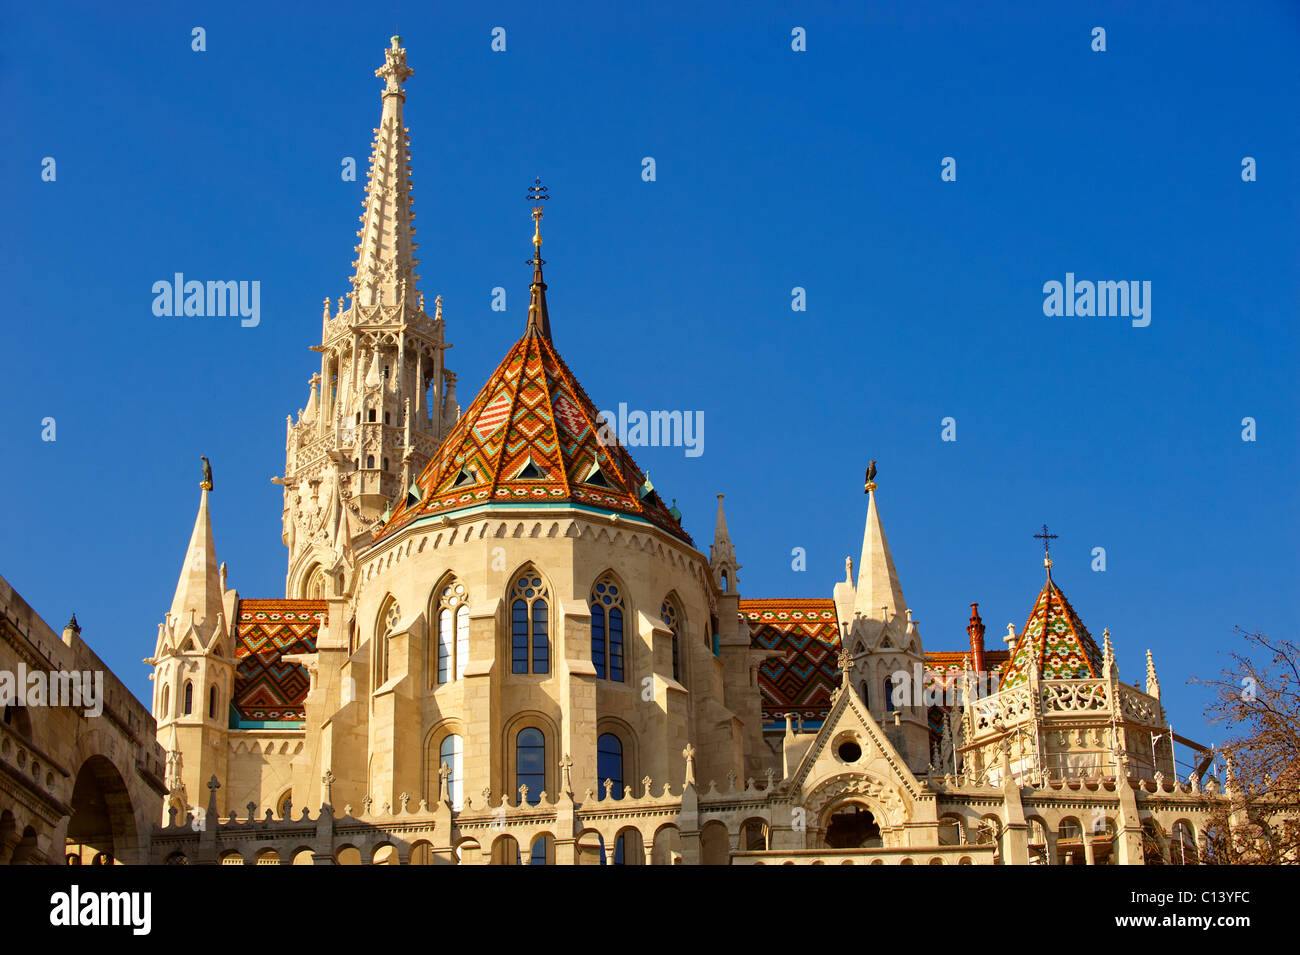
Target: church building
column 498, row 644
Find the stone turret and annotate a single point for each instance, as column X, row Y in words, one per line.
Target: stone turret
column 194, row 663
column 383, row 399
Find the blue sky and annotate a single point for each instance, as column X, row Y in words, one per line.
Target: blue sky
column 775, row 169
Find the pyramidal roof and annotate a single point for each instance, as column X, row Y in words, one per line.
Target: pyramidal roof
column 1059, row 641
column 879, row 591
column 531, row 438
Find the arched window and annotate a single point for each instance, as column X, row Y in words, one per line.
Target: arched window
column 670, row 617
column 451, row 752
column 889, row 695
column 165, row 709
column 530, row 763
column 389, row 617
column 538, row 854
column 866, row 694
column 189, row 698
column 609, row 764
column 453, row 632
column 212, row 702
column 17, row 718
column 529, row 640
column 314, row 588
column 370, row 460
column 607, row 629
column 370, row 415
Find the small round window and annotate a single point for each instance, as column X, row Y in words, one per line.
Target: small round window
column 849, row 751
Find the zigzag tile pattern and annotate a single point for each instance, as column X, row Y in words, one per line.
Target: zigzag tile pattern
column 804, row 677
column 267, row 689
column 531, row 436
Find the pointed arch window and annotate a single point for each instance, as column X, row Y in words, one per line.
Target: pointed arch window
column 668, row 612
column 314, row 589
column 453, row 632
column 609, row 765
column 165, row 710
column 388, row 620
column 189, row 698
column 452, row 753
column 607, row 610
column 212, row 703
column 889, row 695
column 530, row 763
column 530, row 645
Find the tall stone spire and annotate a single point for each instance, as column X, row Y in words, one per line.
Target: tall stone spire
column 385, row 266
column 879, row 592
column 199, row 587
column 384, row 398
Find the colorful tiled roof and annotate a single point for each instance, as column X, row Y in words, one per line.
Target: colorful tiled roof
column 268, row 690
column 803, row 677
column 1065, row 649
column 952, row 661
column 531, row 437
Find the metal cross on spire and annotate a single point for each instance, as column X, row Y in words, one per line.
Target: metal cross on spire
column 1047, row 539
column 537, row 194
column 537, row 314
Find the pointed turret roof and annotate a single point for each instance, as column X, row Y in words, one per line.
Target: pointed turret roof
column 878, row 584
column 385, row 264
column 531, row 438
column 1055, row 640
column 199, row 587
column 722, row 551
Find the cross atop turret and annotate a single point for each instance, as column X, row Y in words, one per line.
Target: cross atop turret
column 1047, row 539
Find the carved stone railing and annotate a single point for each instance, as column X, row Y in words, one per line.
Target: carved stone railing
column 898, row 855
column 1075, row 696
column 1009, row 706
column 1137, row 707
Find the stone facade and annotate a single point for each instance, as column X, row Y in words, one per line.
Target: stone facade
column 81, row 774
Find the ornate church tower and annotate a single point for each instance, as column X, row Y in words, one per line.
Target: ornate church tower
column 885, row 643
column 383, row 398
column 194, row 667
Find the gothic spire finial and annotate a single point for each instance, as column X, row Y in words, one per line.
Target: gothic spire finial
column 538, row 317
column 395, row 71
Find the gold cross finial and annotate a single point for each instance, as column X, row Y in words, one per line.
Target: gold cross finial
column 537, row 194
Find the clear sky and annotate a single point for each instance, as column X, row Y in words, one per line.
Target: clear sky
column 774, row 169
